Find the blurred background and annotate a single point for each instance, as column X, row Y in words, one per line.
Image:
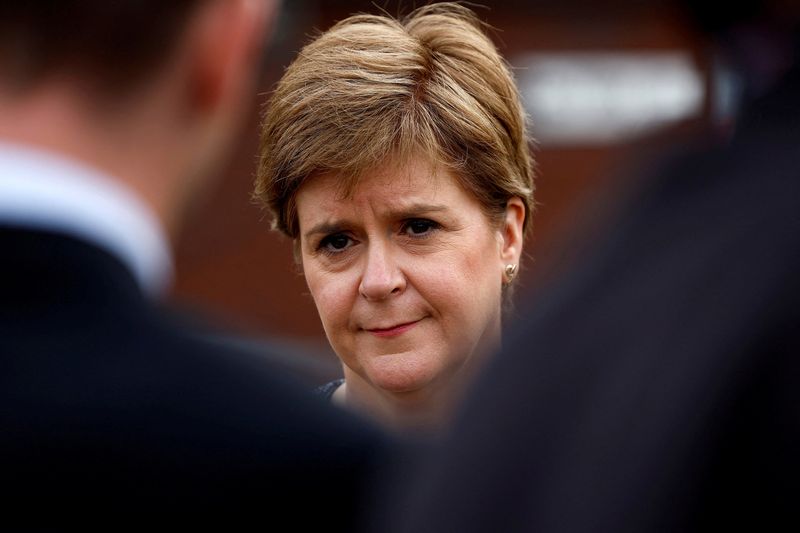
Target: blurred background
column 604, row 84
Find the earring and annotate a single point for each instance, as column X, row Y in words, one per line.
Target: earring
column 510, row 271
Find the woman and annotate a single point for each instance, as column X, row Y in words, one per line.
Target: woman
column 394, row 154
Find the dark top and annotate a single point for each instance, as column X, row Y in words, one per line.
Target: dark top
column 110, row 407
column 658, row 389
column 326, row 391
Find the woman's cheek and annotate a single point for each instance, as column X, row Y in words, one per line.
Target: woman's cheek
column 330, row 293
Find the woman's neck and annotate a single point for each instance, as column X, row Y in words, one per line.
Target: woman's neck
column 423, row 410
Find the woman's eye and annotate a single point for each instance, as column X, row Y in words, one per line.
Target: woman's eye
column 419, row 227
column 337, row 242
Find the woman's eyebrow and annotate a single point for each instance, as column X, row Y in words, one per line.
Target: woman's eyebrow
column 326, row 228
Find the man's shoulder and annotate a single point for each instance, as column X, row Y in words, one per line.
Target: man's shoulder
column 153, row 416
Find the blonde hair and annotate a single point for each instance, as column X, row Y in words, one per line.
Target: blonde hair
column 374, row 88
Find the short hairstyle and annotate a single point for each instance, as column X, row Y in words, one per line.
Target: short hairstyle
column 112, row 44
column 374, row 87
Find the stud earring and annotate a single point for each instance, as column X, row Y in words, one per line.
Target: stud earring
column 511, row 272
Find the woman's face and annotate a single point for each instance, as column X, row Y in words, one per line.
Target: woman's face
column 406, row 273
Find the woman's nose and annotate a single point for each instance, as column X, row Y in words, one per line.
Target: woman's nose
column 382, row 277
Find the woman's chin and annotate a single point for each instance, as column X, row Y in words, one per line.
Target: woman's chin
column 400, row 385
column 403, row 379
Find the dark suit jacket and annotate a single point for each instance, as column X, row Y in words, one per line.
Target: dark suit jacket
column 658, row 388
column 107, row 407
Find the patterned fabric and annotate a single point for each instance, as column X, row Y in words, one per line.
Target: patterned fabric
column 327, row 390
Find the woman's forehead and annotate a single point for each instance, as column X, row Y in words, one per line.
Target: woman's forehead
column 399, row 183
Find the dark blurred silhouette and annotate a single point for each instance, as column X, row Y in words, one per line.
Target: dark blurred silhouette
column 116, row 415
column 656, row 387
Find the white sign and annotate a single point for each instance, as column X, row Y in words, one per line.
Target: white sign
column 606, row 97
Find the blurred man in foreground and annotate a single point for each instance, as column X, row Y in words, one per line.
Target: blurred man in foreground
column 113, row 116
column 658, row 387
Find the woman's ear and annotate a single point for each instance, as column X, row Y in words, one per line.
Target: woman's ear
column 297, row 253
column 511, row 231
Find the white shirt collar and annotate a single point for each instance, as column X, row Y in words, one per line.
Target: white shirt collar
column 46, row 191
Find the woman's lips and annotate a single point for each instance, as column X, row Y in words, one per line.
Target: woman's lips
column 394, row 330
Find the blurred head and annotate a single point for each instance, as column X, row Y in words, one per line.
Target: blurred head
column 757, row 41
column 114, row 46
column 394, row 153
column 150, row 92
